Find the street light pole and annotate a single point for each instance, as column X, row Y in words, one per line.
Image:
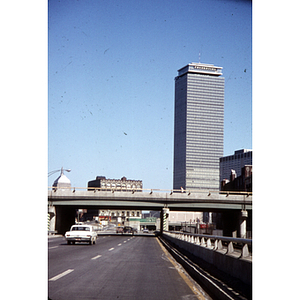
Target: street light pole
column 55, row 171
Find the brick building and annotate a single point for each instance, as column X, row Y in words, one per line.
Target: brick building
column 242, row 183
column 123, row 184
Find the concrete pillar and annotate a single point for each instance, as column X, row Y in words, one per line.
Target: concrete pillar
column 158, row 224
column 52, row 218
column 210, row 218
column 197, row 227
column 243, row 228
column 164, row 219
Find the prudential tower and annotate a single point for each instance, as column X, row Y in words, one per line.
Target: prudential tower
column 199, row 127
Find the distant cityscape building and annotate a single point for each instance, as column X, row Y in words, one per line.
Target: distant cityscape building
column 235, row 162
column 242, row 183
column 123, row 184
column 62, row 181
column 108, row 215
column 102, row 183
column 123, row 214
column 199, row 127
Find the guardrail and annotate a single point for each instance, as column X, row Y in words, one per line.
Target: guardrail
column 52, row 232
column 151, row 191
column 237, row 247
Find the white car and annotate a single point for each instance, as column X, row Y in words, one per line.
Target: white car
column 81, row 233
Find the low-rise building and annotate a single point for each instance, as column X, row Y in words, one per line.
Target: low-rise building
column 242, row 183
column 62, row 181
column 125, row 185
column 236, row 162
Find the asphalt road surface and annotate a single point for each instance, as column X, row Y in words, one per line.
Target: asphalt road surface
column 117, row 267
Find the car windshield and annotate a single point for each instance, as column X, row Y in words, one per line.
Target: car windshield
column 81, row 228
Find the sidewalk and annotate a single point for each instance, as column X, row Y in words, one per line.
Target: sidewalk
column 54, row 236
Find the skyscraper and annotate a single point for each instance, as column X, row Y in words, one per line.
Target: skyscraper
column 199, row 126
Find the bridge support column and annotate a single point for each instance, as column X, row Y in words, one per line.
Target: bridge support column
column 243, row 228
column 51, row 218
column 164, row 222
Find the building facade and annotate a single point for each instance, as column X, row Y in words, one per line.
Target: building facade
column 199, row 127
column 102, row 183
column 112, row 215
column 242, row 183
column 62, row 181
column 235, row 162
column 123, row 184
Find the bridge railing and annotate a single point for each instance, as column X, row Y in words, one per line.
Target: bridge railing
column 150, row 191
column 238, row 247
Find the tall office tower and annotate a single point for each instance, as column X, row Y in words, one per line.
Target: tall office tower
column 199, row 126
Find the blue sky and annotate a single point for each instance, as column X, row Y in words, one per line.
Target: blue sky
column 111, row 82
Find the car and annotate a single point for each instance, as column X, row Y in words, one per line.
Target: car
column 119, row 229
column 145, row 230
column 129, row 229
column 81, row 234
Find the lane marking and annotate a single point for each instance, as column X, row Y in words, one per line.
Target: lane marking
column 183, row 276
column 124, row 242
column 53, row 247
column 119, row 244
column 61, row 275
column 96, row 257
column 111, row 249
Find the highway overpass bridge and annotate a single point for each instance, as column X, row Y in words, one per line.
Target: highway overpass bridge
column 63, row 202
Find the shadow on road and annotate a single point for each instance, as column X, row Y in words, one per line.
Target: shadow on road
column 128, row 234
column 147, row 235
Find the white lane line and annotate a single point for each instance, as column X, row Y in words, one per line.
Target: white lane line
column 111, row 249
column 96, row 257
column 53, row 247
column 119, row 244
column 124, row 242
column 61, row 275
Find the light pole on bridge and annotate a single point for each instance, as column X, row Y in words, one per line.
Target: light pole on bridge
column 62, row 181
column 61, row 170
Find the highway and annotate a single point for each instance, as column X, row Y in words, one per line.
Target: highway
column 117, row 267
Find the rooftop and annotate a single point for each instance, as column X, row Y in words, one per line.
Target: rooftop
column 200, row 68
column 62, row 180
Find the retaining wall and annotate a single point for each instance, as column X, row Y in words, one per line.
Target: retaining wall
column 230, row 263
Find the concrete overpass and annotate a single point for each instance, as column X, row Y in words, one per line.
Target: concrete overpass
column 151, row 200
column 63, row 202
